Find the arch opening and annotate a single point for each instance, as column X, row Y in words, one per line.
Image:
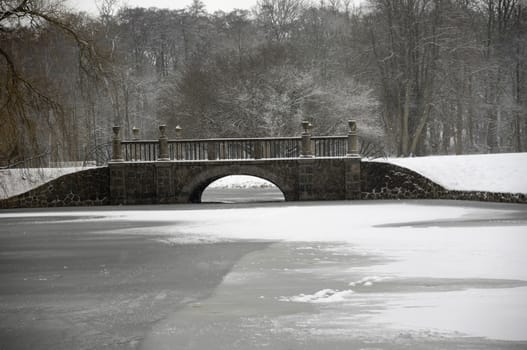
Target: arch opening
column 240, row 189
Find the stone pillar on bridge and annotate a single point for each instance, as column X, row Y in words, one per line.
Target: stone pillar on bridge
column 136, row 149
column 117, row 170
column 164, row 182
column 306, row 166
column 307, row 149
column 352, row 164
column 353, row 142
column 307, row 170
column 117, row 154
column 163, row 144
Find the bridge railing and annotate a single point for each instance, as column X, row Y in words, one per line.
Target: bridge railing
column 140, row 150
column 234, row 148
column 330, row 146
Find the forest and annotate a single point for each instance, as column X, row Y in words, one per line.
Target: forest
column 421, row 77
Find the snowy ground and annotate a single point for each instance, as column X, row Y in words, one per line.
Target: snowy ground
column 17, row 181
column 486, row 172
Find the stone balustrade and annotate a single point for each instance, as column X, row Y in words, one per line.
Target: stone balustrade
column 179, row 149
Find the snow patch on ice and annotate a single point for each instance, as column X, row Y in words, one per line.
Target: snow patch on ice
column 368, row 281
column 191, row 239
column 320, row 297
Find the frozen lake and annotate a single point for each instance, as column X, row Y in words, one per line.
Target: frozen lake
column 312, row 275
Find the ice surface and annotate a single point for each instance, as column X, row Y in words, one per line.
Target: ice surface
column 453, row 243
column 418, row 241
column 491, row 313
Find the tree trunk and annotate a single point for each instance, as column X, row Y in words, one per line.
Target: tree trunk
column 418, row 134
column 492, row 131
column 404, row 121
column 445, row 144
column 470, row 115
column 517, row 132
column 458, row 139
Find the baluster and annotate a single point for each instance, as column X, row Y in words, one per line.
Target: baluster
column 257, row 149
column 149, row 151
column 211, row 150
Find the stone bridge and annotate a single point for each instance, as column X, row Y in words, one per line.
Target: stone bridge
column 179, row 170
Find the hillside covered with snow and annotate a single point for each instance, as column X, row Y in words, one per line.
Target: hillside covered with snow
column 16, row 181
column 504, row 172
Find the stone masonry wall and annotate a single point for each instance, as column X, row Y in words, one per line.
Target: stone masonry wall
column 84, row 188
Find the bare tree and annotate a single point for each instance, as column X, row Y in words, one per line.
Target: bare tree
column 24, row 101
column 405, row 41
column 278, row 17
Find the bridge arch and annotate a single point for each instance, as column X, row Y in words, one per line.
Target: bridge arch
column 193, row 189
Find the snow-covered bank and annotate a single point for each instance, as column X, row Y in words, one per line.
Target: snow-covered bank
column 17, row 181
column 483, row 172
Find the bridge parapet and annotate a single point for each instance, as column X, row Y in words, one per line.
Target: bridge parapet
column 180, row 149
